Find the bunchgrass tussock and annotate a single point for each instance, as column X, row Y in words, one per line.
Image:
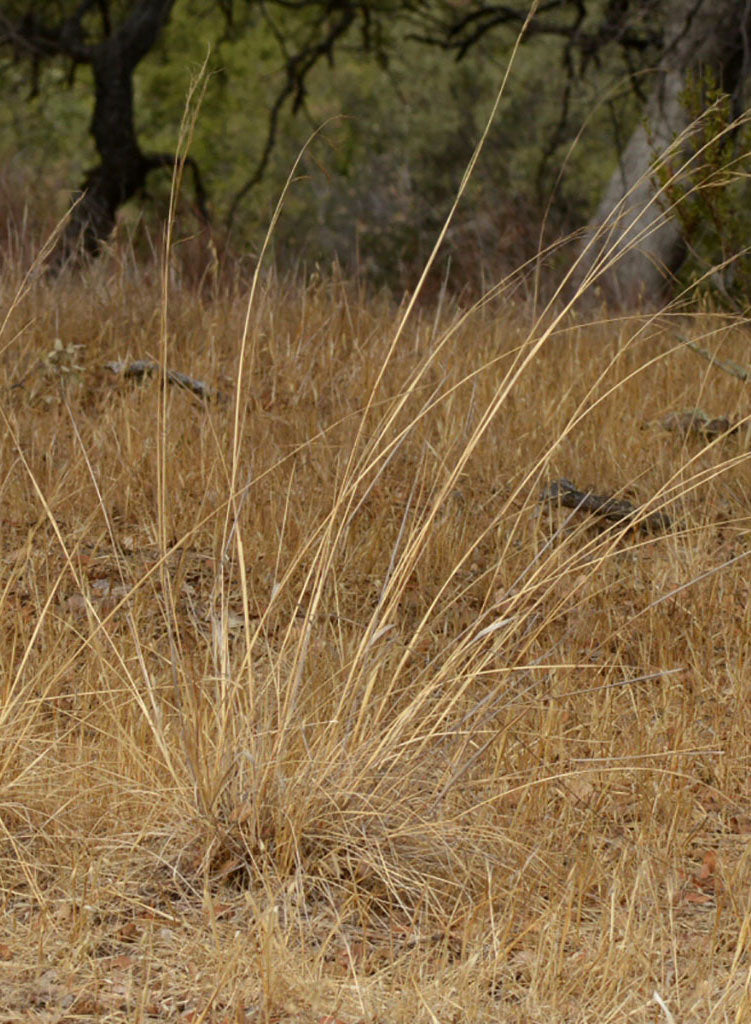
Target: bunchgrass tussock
column 319, row 703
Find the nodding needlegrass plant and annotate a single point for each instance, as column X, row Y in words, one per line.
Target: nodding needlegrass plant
column 311, row 701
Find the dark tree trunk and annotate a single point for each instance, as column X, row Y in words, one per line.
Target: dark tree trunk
column 630, row 222
column 123, row 167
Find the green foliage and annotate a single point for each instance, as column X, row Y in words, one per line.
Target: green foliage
column 377, row 182
column 706, row 187
column 48, row 129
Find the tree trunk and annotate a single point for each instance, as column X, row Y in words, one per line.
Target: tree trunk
column 630, row 224
column 123, row 166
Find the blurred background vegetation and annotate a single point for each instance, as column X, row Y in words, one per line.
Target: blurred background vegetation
column 400, row 120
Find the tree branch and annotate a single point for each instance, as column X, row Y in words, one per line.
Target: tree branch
column 138, row 33
column 169, row 160
column 35, row 40
column 462, row 33
column 298, row 67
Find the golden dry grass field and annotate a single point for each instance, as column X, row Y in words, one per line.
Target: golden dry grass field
column 313, row 711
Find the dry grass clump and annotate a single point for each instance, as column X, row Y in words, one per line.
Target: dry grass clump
column 312, row 710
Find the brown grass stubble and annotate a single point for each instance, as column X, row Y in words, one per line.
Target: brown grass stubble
column 435, row 751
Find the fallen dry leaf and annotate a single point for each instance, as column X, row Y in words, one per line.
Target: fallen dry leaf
column 698, row 897
column 129, row 931
column 740, row 824
column 702, row 887
column 86, row 1004
column 123, row 962
column 705, row 879
column 221, row 910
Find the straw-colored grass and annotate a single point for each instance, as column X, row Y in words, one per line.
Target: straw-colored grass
column 312, row 711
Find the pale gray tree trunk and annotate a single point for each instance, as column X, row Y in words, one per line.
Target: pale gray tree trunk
column 630, row 221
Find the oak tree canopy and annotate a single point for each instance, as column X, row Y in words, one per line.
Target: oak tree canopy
column 671, row 40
